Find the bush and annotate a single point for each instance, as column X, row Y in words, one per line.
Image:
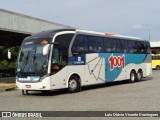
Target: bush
column 7, row 67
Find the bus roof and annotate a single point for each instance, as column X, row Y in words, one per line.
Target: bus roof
column 108, row 34
column 47, row 33
column 50, row 33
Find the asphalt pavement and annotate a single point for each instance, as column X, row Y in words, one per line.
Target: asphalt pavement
column 118, row 96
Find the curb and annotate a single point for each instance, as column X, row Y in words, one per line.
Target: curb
column 7, row 87
column 10, row 88
column 7, row 84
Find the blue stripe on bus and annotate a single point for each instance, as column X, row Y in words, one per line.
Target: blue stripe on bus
column 111, row 75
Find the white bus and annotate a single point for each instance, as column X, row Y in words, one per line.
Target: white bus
column 71, row 58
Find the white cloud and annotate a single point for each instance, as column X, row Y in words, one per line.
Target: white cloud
column 137, row 26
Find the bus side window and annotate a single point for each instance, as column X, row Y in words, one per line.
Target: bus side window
column 80, row 45
column 147, row 48
column 113, row 44
column 61, row 48
column 95, row 44
column 124, row 46
column 132, row 46
column 118, row 46
column 55, row 56
column 141, row 47
column 107, row 45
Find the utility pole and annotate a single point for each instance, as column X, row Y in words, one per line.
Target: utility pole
column 149, row 34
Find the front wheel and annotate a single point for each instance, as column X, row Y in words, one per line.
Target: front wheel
column 24, row 92
column 73, row 84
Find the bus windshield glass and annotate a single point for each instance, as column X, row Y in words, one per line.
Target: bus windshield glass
column 31, row 59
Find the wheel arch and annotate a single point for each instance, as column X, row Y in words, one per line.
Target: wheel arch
column 73, row 74
column 133, row 70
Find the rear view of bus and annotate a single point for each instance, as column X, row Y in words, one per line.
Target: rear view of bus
column 70, row 58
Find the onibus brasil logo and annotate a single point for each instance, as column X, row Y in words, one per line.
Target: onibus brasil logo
column 116, row 61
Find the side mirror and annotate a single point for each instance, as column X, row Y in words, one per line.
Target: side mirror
column 46, row 49
column 9, row 54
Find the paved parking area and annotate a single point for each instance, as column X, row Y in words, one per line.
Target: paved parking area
column 119, row 96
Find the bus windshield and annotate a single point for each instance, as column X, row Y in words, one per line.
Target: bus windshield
column 31, row 59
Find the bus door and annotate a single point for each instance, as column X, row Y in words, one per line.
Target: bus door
column 59, row 60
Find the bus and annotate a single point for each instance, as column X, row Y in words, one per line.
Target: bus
column 156, row 61
column 72, row 58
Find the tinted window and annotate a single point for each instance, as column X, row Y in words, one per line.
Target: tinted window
column 95, row 44
column 64, row 42
column 113, row 44
column 80, row 44
column 60, row 51
column 141, row 47
column 118, row 46
column 107, row 45
column 156, row 57
column 132, row 46
column 147, row 47
column 124, row 46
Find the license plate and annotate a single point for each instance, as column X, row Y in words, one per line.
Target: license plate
column 28, row 86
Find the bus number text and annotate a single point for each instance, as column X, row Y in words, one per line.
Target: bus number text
column 116, row 61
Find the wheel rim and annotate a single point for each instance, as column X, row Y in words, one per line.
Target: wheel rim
column 132, row 77
column 72, row 84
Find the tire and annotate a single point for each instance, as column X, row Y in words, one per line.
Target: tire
column 24, row 92
column 139, row 76
column 157, row 67
column 73, row 85
column 133, row 77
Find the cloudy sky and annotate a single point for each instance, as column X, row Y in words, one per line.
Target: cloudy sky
column 135, row 18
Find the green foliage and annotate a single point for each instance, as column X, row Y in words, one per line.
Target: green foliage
column 7, row 67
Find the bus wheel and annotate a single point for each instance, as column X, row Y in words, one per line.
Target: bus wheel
column 132, row 76
column 73, row 84
column 139, row 76
column 24, row 92
column 157, row 67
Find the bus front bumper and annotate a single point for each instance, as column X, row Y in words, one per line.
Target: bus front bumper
column 41, row 85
